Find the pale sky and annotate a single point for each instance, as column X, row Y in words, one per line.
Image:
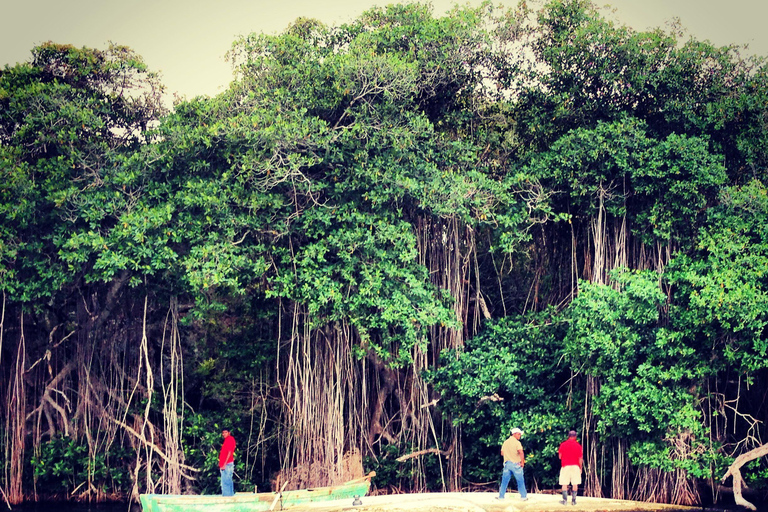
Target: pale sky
column 185, row 40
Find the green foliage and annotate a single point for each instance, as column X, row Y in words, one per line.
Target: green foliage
column 756, row 474
column 63, row 117
column 591, row 70
column 648, row 375
column 611, row 329
column 362, row 161
column 64, row 464
column 659, row 186
column 511, row 375
column 722, row 291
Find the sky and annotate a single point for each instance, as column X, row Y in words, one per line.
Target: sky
column 186, row 40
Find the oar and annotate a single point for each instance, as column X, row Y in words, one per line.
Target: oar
column 279, row 493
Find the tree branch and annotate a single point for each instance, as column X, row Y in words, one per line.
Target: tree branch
column 735, row 472
column 420, row 453
column 154, row 447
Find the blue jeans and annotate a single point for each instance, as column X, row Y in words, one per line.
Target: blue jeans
column 227, row 486
column 512, row 468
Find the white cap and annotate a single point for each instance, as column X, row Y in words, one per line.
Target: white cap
column 516, row 431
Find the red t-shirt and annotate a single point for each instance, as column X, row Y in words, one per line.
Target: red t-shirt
column 570, row 452
column 227, row 453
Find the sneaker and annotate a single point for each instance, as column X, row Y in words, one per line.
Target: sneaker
column 499, row 498
column 524, row 499
column 573, row 502
column 563, row 502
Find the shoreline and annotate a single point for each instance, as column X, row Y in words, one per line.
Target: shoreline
column 487, row 502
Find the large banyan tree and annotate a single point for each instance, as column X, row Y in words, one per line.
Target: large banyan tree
column 384, row 245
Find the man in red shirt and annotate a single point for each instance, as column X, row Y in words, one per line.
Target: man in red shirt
column 227, row 463
column 571, row 461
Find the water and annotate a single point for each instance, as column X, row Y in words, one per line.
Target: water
column 76, row 507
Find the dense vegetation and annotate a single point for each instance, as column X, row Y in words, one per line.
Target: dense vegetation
column 383, row 246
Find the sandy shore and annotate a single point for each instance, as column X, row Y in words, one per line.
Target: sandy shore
column 487, row 502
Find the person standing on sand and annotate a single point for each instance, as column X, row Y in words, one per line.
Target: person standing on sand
column 227, row 463
column 514, row 460
column 571, row 462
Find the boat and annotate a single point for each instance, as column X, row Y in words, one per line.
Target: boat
column 256, row 501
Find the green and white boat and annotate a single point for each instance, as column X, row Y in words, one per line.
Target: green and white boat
column 253, row 502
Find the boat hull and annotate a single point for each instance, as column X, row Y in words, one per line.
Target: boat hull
column 252, row 502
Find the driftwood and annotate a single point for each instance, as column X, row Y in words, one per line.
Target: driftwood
column 735, row 471
column 493, row 398
column 420, row 453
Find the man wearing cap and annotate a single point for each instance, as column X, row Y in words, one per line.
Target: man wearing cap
column 227, row 463
column 571, row 462
column 514, row 460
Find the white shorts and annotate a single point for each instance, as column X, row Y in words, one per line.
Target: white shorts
column 570, row 475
